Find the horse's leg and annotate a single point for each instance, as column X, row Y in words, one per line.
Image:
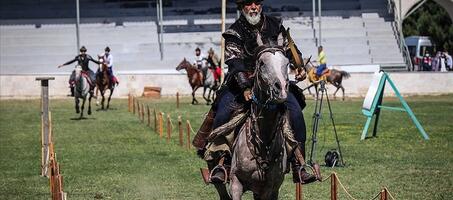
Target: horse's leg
column 194, row 100
column 89, row 103
column 342, row 89
column 222, row 191
column 110, row 96
column 83, row 106
column 103, row 99
column 97, row 92
column 204, row 95
column 77, row 105
column 335, row 93
column 236, row 188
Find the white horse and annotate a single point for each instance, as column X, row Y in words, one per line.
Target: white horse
column 81, row 90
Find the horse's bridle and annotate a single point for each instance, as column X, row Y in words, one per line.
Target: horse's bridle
column 259, row 51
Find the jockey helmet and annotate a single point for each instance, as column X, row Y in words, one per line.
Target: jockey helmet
column 107, row 49
column 240, row 3
column 83, row 49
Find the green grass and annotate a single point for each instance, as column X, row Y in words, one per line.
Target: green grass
column 112, row 155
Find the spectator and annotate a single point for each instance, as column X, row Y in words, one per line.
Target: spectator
column 442, row 62
column 435, row 66
column 427, row 62
column 448, row 61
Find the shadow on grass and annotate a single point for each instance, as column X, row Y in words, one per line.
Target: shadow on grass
column 105, row 109
column 81, row 118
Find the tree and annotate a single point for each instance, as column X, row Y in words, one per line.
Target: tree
column 431, row 20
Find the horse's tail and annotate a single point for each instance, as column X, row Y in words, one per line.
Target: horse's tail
column 345, row 74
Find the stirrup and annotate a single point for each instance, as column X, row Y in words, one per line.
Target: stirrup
column 220, row 167
column 315, row 169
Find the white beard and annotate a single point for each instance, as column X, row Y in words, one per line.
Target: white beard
column 253, row 20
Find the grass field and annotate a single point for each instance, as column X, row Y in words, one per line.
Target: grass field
column 112, row 155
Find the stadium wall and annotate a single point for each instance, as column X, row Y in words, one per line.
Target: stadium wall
column 25, row 86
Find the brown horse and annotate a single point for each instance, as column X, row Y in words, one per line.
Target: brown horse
column 104, row 82
column 196, row 80
column 333, row 76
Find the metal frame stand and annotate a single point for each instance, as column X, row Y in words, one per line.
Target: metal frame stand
column 316, row 117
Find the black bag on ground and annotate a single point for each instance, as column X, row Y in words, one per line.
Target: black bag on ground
column 331, row 158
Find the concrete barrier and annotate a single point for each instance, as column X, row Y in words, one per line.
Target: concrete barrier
column 25, row 86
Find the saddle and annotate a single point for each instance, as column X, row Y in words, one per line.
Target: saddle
column 314, row 77
column 87, row 76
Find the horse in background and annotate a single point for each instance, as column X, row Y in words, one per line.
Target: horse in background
column 82, row 90
column 332, row 76
column 103, row 83
column 196, row 80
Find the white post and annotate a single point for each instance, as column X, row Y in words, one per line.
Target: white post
column 222, row 45
column 319, row 17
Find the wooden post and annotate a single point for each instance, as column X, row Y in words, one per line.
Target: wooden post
column 138, row 107
column 143, row 113
column 384, row 194
column 45, row 140
column 149, row 117
column 298, row 191
column 133, row 104
column 177, row 99
column 129, row 102
column 188, row 133
column 168, row 128
column 180, row 131
column 333, row 186
column 155, row 120
column 161, row 124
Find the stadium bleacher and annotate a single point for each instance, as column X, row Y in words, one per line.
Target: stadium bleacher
column 354, row 32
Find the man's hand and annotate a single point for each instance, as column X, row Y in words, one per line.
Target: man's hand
column 301, row 75
column 247, row 94
column 59, row 66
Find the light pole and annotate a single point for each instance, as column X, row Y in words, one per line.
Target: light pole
column 319, row 18
column 77, row 25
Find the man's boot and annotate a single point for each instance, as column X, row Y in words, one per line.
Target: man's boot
column 300, row 175
column 72, row 90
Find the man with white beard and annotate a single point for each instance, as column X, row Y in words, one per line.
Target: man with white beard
column 240, row 42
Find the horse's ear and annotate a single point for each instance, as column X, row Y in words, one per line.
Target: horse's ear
column 184, row 59
column 259, row 41
column 280, row 39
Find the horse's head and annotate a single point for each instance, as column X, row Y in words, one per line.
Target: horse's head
column 78, row 72
column 184, row 64
column 102, row 66
column 271, row 73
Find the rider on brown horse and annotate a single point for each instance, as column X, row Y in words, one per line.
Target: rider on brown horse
column 82, row 60
column 108, row 60
column 240, row 41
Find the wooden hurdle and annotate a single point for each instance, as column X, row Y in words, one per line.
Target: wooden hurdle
column 180, row 131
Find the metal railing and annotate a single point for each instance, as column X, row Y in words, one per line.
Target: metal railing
column 397, row 27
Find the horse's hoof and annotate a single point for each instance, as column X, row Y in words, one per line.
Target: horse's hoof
column 77, row 111
column 89, row 112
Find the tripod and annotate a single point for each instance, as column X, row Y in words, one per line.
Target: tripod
column 316, row 117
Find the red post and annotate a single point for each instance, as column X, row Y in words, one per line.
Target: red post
column 384, row 194
column 333, row 187
column 298, row 191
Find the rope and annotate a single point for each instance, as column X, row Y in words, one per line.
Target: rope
column 190, row 125
column 326, row 178
column 377, row 195
column 390, row 194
